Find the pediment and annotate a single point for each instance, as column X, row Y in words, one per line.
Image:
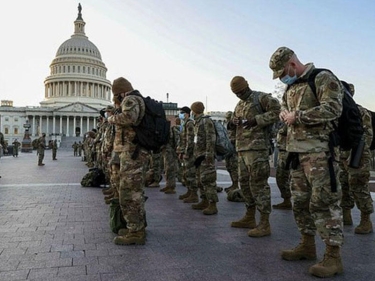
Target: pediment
column 77, row 107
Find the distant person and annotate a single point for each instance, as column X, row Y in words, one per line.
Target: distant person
column 204, row 155
column 75, row 148
column 16, row 145
column 309, row 118
column 80, row 147
column 3, row 144
column 54, row 149
column 41, row 148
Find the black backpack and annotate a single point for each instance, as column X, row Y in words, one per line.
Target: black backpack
column 153, row 131
column 372, row 146
column 94, row 178
column 349, row 130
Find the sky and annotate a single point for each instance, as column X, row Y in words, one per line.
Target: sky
column 190, row 49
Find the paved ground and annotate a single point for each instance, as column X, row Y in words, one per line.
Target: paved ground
column 51, row 229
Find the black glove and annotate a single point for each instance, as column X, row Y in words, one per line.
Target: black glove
column 199, row 161
column 249, row 123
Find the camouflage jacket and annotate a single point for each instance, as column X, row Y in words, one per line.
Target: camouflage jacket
column 310, row 132
column 133, row 110
column 255, row 138
column 204, row 137
column 186, row 145
column 281, row 138
column 108, row 138
column 367, row 126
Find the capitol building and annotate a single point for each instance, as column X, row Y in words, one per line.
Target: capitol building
column 74, row 93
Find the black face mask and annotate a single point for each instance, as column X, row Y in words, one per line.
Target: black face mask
column 243, row 95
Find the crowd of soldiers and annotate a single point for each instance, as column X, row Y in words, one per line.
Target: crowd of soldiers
column 302, row 173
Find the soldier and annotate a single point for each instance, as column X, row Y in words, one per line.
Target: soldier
column 154, row 170
column 80, row 146
column 252, row 146
column 16, row 145
column 106, row 151
column 204, row 155
column 54, row 149
column 355, row 182
column 231, row 160
column 3, row 144
column 282, row 171
column 75, row 148
column 170, row 162
column 180, row 169
column 309, row 119
column 41, row 148
column 133, row 160
column 185, row 150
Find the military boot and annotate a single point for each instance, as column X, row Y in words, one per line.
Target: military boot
column 108, row 191
column 233, row 186
column 248, row 221
column 123, row 232
column 347, row 216
column 138, row 238
column 163, row 189
column 201, row 205
column 211, row 209
column 170, row 190
column 193, row 197
column 305, row 250
column 330, row 265
column 185, row 195
column 263, row 228
column 154, row 184
column 109, row 196
column 285, row 205
column 365, row 225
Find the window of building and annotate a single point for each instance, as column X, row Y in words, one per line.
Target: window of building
column 16, row 119
column 16, row 131
column 6, row 118
column 6, row 131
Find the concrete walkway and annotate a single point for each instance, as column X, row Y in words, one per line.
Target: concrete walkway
column 52, row 229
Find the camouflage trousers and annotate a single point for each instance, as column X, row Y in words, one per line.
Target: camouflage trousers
column 190, row 174
column 114, row 172
column 315, row 206
column 283, row 175
column 54, row 154
column 355, row 183
column 231, row 164
column 206, row 180
column 131, row 189
column 156, row 166
column 170, row 165
column 40, row 157
column 254, row 171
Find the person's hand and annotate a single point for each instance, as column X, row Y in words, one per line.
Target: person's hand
column 236, row 120
column 290, row 118
column 249, row 123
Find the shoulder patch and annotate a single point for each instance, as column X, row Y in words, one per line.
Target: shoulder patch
column 333, row 86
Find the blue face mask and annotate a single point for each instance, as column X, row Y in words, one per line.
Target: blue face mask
column 181, row 116
column 289, row 80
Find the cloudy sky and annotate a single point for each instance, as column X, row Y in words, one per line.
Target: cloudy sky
column 190, row 49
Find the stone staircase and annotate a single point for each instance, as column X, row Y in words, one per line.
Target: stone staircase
column 67, row 142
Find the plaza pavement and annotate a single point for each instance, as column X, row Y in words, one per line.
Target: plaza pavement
column 52, row 229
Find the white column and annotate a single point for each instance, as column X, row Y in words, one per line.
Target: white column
column 54, row 125
column 74, row 126
column 60, row 126
column 67, row 126
column 33, row 133
column 40, row 124
column 87, row 124
column 47, row 129
column 94, row 122
column 81, row 127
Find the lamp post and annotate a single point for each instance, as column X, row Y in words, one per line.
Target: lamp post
column 26, row 142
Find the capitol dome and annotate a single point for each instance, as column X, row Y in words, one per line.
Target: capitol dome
column 77, row 73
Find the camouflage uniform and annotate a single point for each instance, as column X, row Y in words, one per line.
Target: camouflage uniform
column 98, row 145
column 54, row 149
column 354, row 182
column 186, row 150
column 252, row 146
column 204, row 146
column 79, row 146
column 107, row 147
column 170, row 162
column 75, row 147
column 133, row 160
column 231, row 161
column 16, row 144
column 315, row 207
column 41, row 148
column 282, row 171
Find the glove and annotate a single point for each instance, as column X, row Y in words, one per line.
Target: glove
column 249, row 123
